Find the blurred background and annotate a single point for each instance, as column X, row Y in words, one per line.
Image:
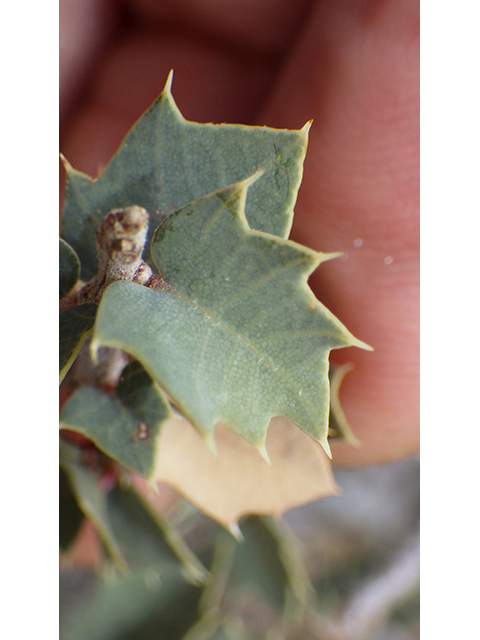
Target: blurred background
column 360, row 549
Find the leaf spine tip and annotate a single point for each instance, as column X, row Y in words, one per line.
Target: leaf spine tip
column 306, row 127
column 330, row 256
column 355, row 342
column 168, row 84
column 209, row 439
column 235, row 531
column 68, row 167
column 264, row 453
column 326, row 447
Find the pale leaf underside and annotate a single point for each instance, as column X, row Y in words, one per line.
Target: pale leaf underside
column 237, row 481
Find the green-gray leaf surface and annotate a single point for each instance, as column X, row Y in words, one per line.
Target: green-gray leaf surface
column 69, row 268
column 266, row 567
column 75, row 326
column 134, row 536
column 236, row 336
column 166, row 161
column 124, row 426
column 145, row 599
column 268, row 561
column 139, row 606
column 92, row 500
column 148, row 539
column 71, row 516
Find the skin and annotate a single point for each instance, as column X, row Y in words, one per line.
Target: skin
column 352, row 67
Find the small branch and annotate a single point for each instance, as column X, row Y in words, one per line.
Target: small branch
column 119, row 240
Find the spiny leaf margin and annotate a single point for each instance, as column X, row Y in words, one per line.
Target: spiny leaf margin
column 171, row 320
column 166, row 161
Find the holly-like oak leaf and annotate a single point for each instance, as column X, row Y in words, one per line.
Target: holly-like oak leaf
column 125, row 425
column 234, row 483
column 234, row 335
column 165, row 162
